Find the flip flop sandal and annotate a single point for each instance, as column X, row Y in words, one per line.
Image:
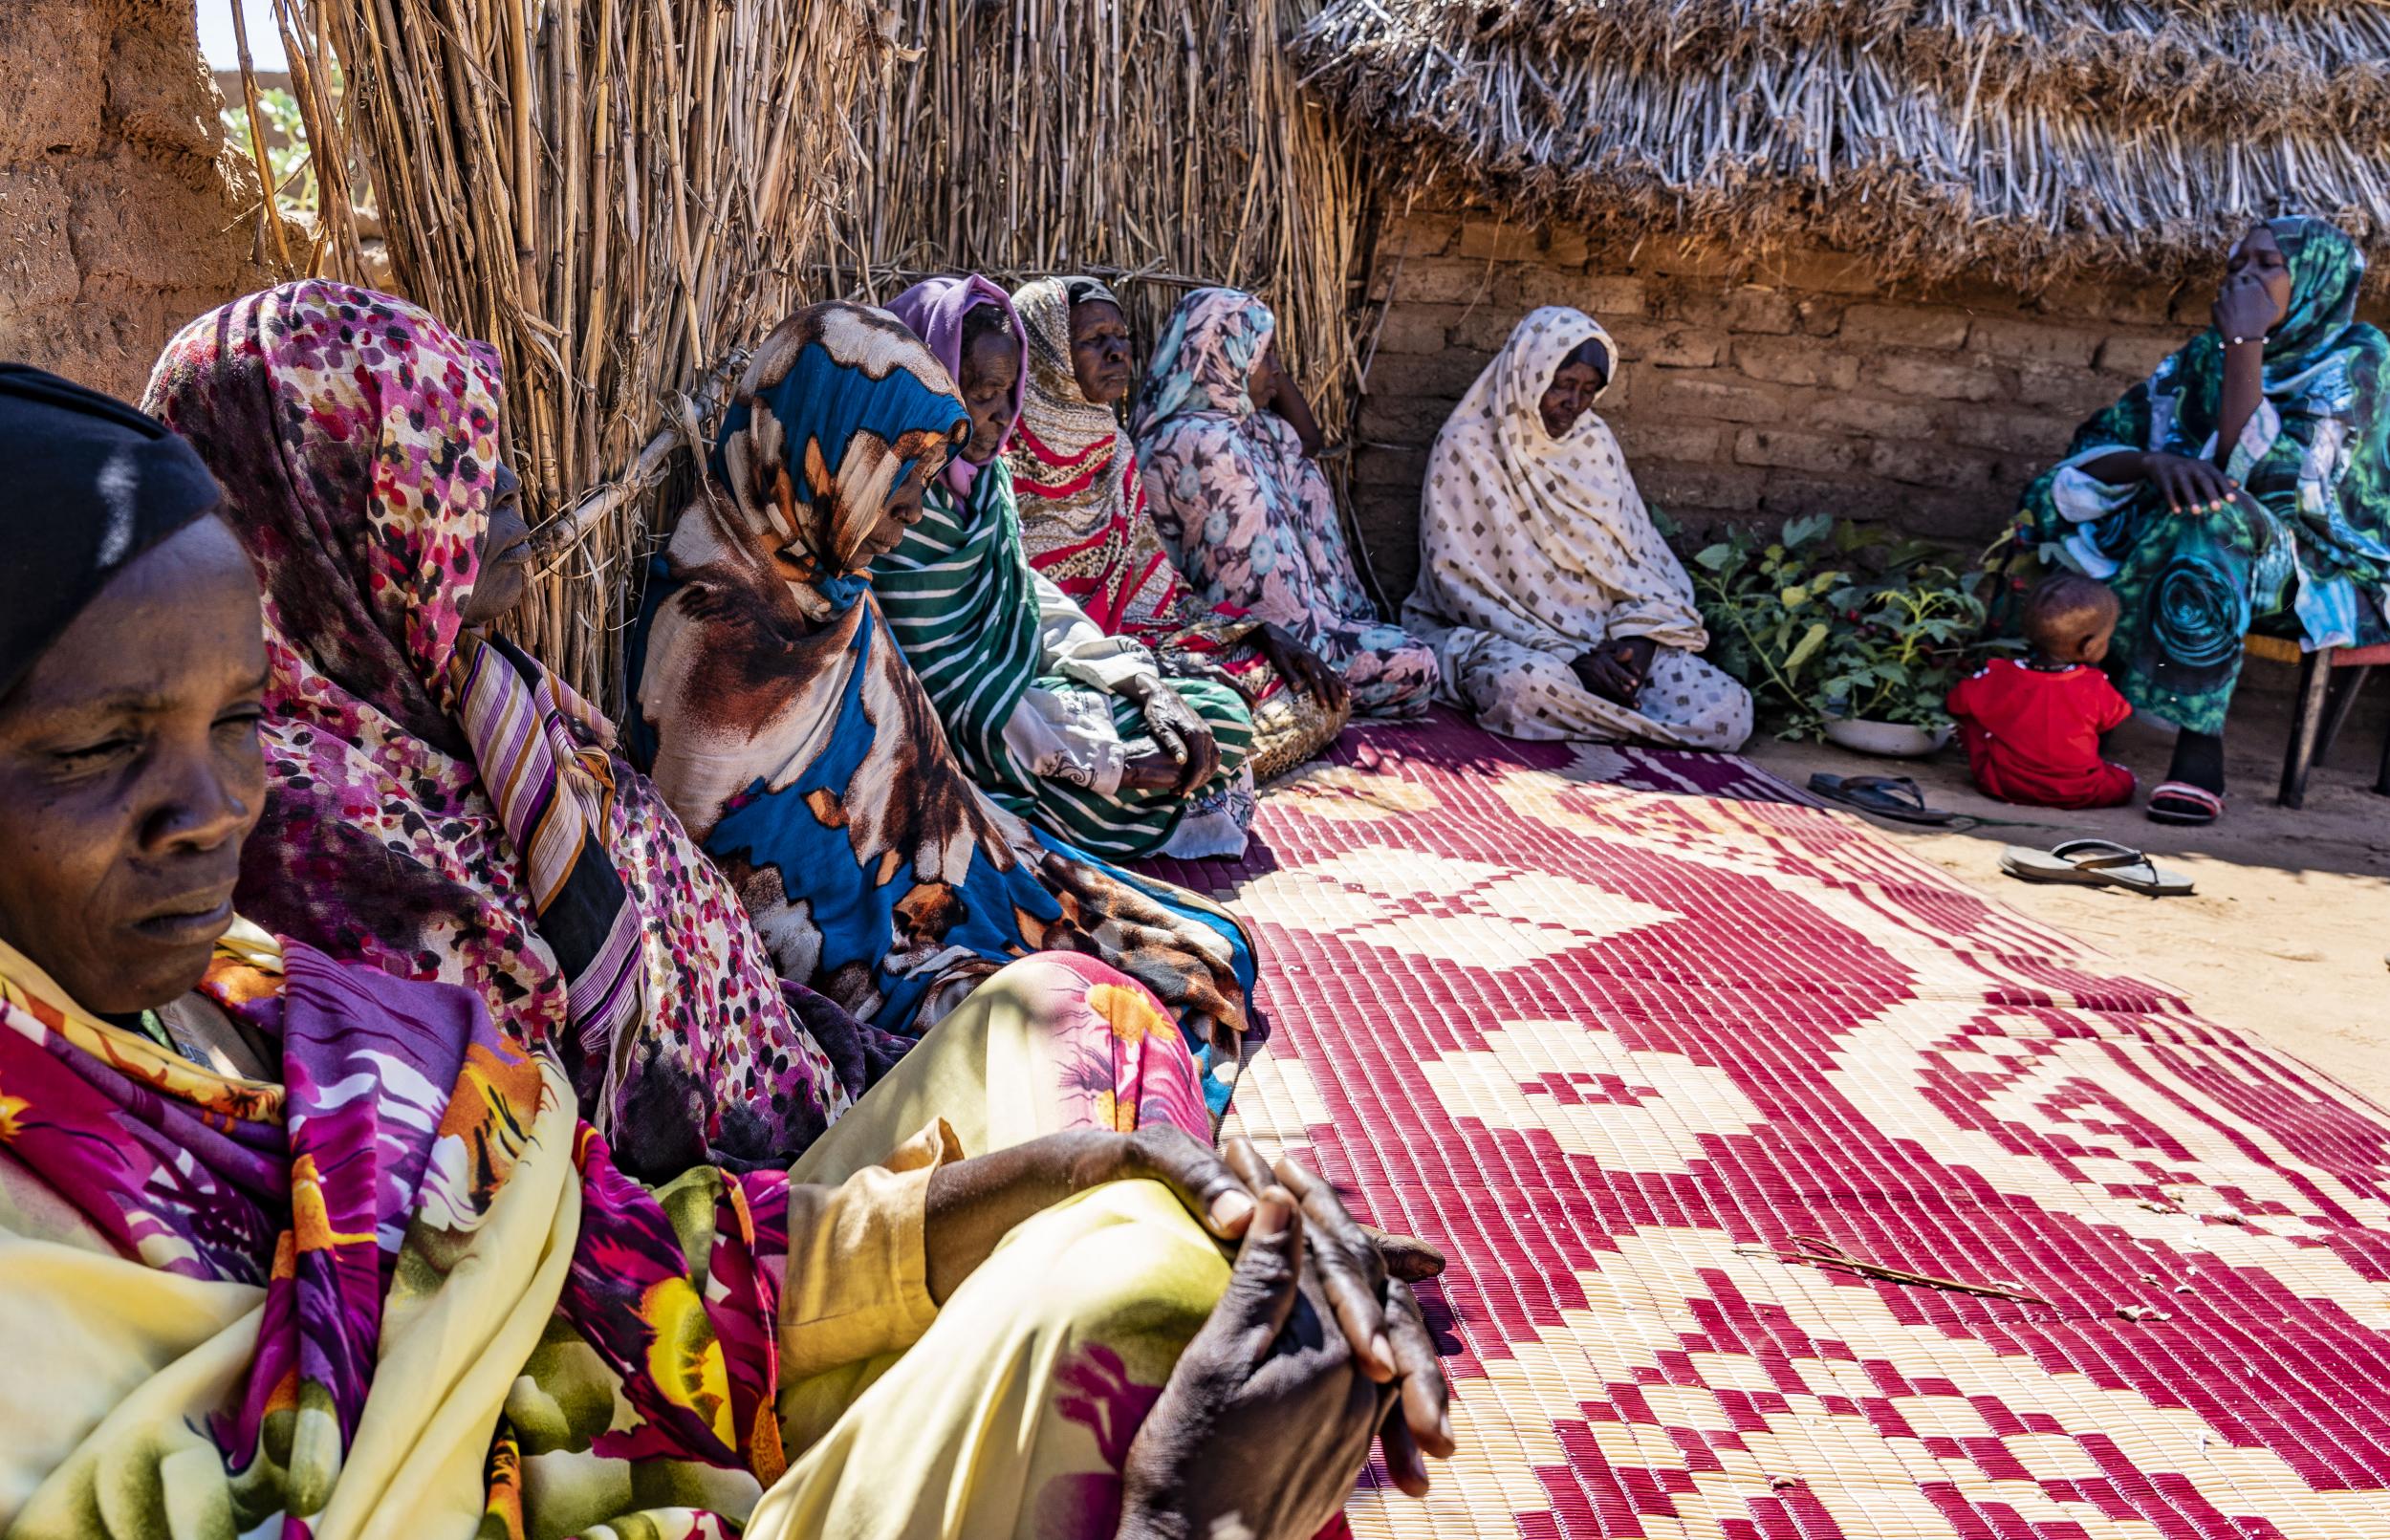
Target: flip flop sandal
column 2093, row 863
column 2182, row 802
column 1886, row 796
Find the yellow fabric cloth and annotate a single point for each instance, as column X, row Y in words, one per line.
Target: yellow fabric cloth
column 858, row 1281
column 1010, row 1416
column 1007, row 1413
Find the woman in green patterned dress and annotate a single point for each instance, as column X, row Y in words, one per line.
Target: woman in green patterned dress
column 1073, row 729
column 2244, row 486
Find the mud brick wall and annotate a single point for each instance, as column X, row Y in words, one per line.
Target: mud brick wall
column 123, row 213
column 1810, row 386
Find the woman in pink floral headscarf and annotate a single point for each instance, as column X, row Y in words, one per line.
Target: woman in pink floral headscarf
column 442, row 805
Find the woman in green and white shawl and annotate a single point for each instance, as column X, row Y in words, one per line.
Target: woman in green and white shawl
column 1074, row 730
column 2244, row 486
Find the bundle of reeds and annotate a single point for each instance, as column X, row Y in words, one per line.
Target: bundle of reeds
column 2013, row 139
column 616, row 193
column 1161, row 143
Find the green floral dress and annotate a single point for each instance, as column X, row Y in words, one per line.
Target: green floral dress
column 2310, row 562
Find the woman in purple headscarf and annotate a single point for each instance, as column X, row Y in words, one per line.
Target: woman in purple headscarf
column 1074, row 730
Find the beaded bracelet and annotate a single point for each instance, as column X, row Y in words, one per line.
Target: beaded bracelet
column 2238, row 341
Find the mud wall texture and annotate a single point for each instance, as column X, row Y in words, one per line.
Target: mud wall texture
column 121, row 213
column 1814, row 389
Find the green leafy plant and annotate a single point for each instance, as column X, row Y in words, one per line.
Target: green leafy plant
column 1831, row 619
column 286, row 148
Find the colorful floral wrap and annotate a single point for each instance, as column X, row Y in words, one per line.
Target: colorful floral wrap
column 785, row 727
column 403, row 1289
column 358, row 443
column 2311, row 560
column 1084, row 526
column 1249, row 515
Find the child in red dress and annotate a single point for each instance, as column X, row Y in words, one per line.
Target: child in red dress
column 2033, row 727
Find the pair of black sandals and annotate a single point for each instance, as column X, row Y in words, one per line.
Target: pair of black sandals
column 2070, row 863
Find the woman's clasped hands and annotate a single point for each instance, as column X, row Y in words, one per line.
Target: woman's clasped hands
column 1312, row 1352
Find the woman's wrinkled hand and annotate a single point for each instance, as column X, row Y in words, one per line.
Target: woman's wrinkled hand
column 1303, row 668
column 1184, row 736
column 2189, row 486
column 1266, row 1421
column 1615, row 670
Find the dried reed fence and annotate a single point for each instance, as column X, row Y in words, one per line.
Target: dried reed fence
column 2015, row 140
column 1158, row 142
column 619, row 193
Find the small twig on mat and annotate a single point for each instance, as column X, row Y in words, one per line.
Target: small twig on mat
column 1822, row 1253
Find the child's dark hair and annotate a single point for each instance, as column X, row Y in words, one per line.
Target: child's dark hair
column 2065, row 611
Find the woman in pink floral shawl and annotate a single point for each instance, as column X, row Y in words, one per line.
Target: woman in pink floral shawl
column 439, row 805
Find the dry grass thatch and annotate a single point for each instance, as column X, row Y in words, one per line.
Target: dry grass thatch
column 2014, row 139
column 619, row 193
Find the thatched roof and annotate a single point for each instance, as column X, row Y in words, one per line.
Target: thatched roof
column 2013, row 138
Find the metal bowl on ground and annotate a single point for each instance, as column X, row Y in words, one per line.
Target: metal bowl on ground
column 1893, row 740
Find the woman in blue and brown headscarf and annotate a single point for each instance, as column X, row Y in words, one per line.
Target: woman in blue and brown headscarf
column 784, row 726
column 2244, row 486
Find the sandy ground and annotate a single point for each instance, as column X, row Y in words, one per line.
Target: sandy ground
column 2287, row 934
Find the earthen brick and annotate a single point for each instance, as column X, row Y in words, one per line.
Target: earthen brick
column 1418, row 328
column 1722, row 487
column 1905, row 326
column 2137, row 355
column 1667, row 347
column 1390, row 468
column 1956, row 377
column 1445, row 374
column 1443, row 281
column 1795, row 450
column 1874, row 415
column 1933, row 464
column 2032, row 341
column 1725, row 399
column 1788, row 360
column 1419, row 235
column 2043, row 435
column 1486, row 239
column 1604, row 297
column 1645, row 440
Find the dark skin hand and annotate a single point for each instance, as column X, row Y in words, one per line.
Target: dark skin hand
column 2254, row 298
column 1273, row 390
column 130, row 775
column 974, row 1204
column 992, row 366
column 1618, row 670
column 1301, row 668
column 1196, row 758
column 1266, row 1421
column 1100, row 351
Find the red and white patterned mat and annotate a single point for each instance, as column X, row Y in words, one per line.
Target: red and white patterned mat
column 1612, row 1030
